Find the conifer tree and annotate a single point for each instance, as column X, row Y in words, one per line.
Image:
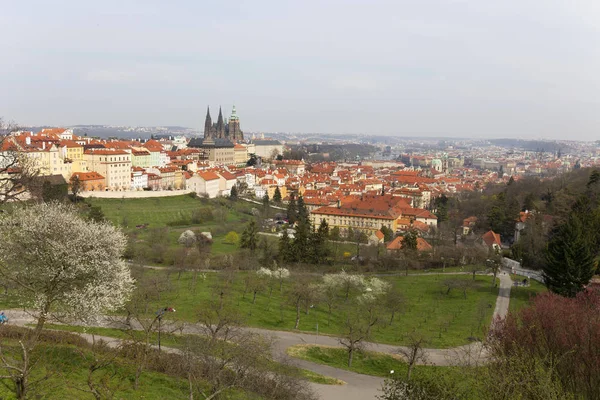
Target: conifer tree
column 387, row 233
column 285, row 247
column 319, row 245
column 277, row 195
column 569, row 258
column 410, row 241
column 302, row 210
column 249, row 238
column 233, row 194
column 292, row 211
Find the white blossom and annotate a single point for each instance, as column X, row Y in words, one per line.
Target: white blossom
column 264, row 272
column 63, row 262
column 187, row 238
column 281, row 273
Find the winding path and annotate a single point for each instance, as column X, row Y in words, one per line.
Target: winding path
column 358, row 386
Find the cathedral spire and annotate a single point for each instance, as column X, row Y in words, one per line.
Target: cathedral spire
column 207, row 123
column 220, row 125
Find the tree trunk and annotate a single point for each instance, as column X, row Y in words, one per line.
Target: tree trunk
column 254, row 297
column 350, row 354
column 392, row 318
column 297, row 314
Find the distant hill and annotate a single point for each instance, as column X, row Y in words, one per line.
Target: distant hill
column 533, row 145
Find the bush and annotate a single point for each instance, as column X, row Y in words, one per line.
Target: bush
column 231, row 238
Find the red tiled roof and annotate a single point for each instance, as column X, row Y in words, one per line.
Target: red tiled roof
column 208, row 175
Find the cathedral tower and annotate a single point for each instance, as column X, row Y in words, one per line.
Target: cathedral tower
column 235, row 133
column 207, row 124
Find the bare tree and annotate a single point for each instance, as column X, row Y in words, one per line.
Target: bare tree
column 355, row 331
column 393, row 302
column 298, row 294
column 102, row 380
column 413, row 353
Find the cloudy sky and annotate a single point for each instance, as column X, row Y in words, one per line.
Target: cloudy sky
column 482, row 68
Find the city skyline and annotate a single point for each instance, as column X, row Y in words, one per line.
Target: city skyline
column 437, row 68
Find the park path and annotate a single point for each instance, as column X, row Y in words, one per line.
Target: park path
column 358, row 386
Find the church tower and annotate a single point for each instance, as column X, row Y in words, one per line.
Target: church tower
column 220, row 125
column 207, row 124
column 235, row 133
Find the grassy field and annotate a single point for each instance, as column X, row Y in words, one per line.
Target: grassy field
column 175, row 341
column 447, row 320
column 66, row 367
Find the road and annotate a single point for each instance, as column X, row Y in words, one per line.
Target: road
column 358, row 386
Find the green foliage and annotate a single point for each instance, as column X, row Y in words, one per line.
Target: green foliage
column 51, row 192
column 334, row 233
column 95, row 214
column 319, row 244
column 249, row 239
column 233, row 194
column 231, row 238
column 410, row 240
column 388, row 233
column 285, row 247
column 569, row 259
column 292, row 211
column 277, row 195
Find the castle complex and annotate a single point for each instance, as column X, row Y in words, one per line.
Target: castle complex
column 221, row 130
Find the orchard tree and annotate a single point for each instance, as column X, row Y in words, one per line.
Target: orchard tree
column 63, row 263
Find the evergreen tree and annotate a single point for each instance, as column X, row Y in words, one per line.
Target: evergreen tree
column 277, row 195
column 292, row 211
column 569, row 258
column 334, row 234
column 285, row 247
column 442, row 208
column 387, row 233
column 319, row 244
column 410, row 240
column 302, row 211
column 301, row 245
column 511, row 181
column 233, row 195
column 249, row 238
column 96, row 214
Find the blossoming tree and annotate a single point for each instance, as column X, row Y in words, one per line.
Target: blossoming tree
column 62, row 263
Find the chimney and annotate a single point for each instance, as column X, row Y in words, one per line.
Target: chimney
column 43, row 145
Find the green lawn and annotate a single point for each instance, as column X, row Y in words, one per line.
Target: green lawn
column 447, row 320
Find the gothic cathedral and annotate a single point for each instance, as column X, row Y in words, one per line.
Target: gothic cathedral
column 220, row 130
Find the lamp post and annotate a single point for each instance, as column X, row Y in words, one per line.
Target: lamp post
column 159, row 315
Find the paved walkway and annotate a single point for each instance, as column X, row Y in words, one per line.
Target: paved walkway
column 358, row 386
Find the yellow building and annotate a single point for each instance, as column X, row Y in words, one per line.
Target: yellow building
column 240, row 154
column 365, row 213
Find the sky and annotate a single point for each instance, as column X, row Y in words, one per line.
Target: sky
column 480, row 68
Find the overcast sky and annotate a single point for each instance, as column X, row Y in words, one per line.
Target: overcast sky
column 485, row 68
